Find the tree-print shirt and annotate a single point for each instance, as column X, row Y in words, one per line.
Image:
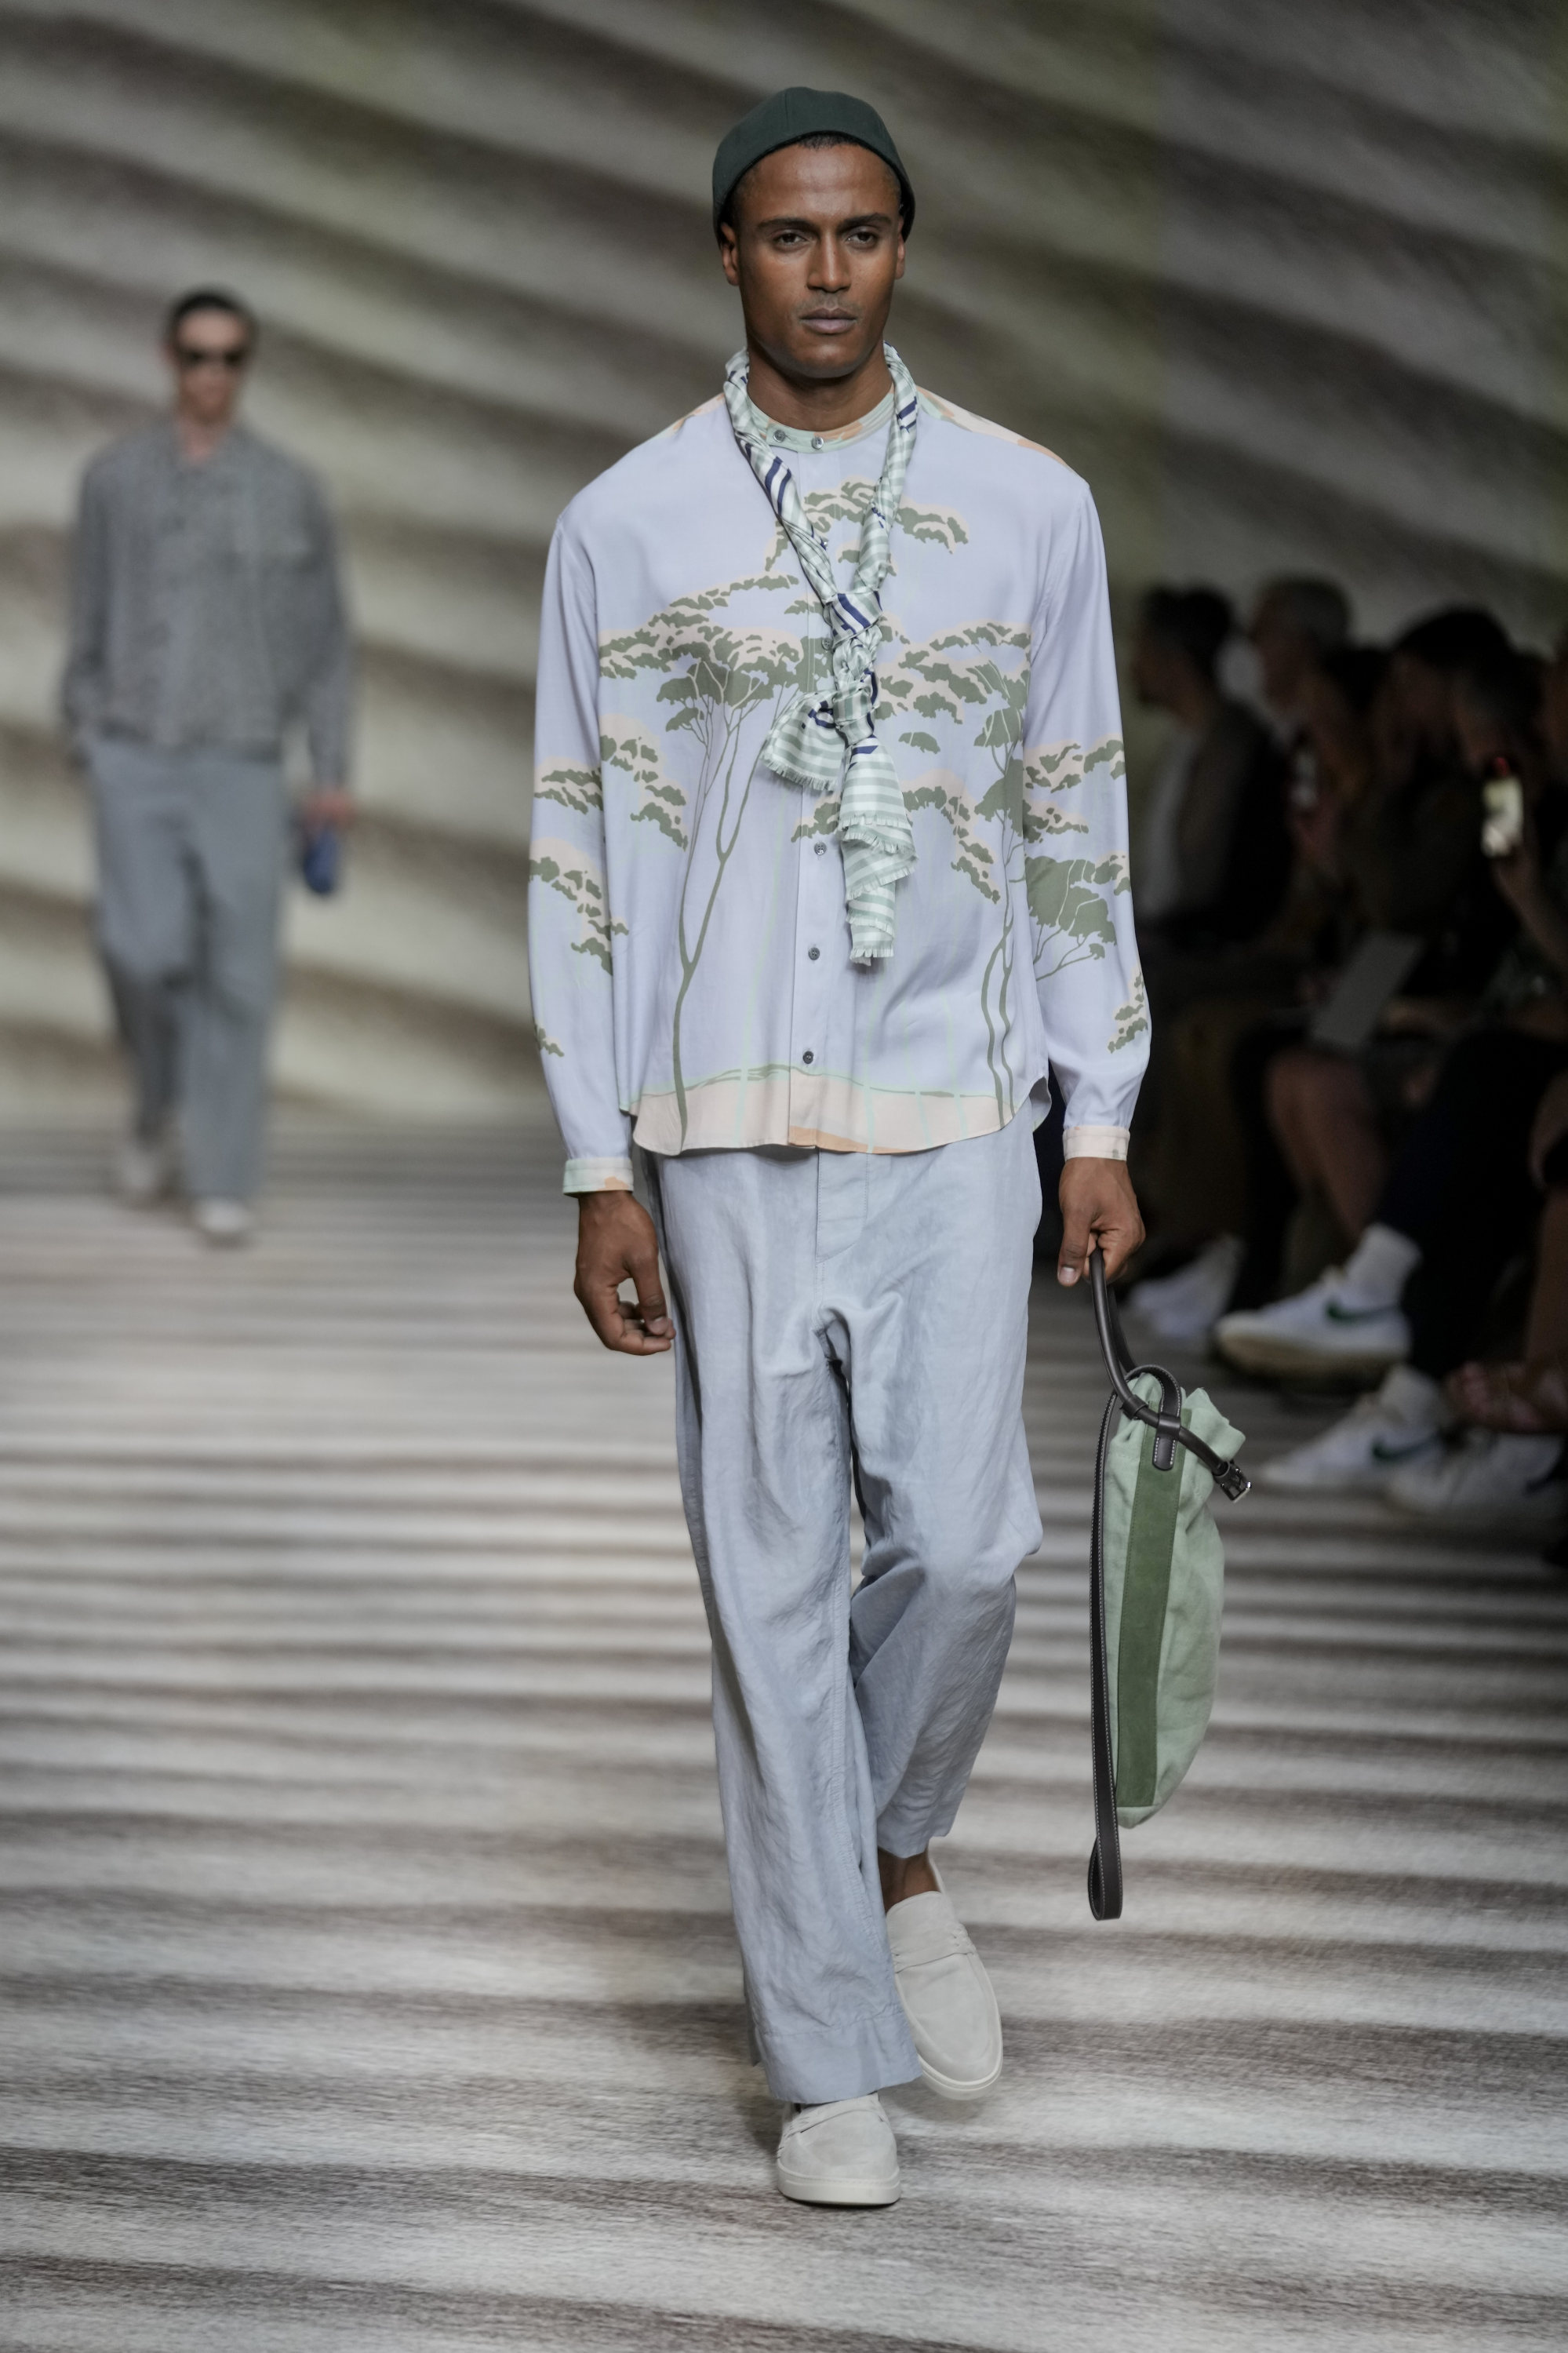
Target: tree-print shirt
column 689, row 945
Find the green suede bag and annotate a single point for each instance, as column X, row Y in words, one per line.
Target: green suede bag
column 1156, row 1591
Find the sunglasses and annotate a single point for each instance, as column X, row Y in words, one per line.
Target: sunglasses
column 190, row 358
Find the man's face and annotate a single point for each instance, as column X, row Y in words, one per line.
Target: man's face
column 816, row 252
column 209, row 352
column 1338, row 737
column 1155, row 667
column 1285, row 657
column 1481, row 733
column 1426, row 700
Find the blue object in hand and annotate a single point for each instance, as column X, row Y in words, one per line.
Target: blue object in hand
column 321, row 859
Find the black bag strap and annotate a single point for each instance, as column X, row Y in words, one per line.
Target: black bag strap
column 1165, row 1418
column 1170, row 1431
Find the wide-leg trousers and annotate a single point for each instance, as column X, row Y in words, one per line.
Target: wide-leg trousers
column 191, row 855
column 848, row 1318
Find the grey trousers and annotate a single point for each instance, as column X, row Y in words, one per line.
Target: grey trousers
column 191, row 852
column 847, row 1316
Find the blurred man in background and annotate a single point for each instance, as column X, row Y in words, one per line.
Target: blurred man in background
column 1213, row 855
column 1294, row 624
column 206, row 617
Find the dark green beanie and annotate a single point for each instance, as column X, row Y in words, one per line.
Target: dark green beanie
column 791, row 114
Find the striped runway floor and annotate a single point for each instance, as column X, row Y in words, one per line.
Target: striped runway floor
column 366, row 1980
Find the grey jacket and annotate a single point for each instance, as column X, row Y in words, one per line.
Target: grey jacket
column 205, row 604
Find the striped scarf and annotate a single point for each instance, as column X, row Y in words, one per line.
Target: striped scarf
column 832, row 742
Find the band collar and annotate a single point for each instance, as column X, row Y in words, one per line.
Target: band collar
column 787, row 437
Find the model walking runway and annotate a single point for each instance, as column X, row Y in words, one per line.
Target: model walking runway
column 368, row 1976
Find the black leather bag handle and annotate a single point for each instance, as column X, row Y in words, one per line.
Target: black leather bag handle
column 1105, row 1886
column 1165, row 1418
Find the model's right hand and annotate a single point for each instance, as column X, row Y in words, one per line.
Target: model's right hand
column 616, row 1244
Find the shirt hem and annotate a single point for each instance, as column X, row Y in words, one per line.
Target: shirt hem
column 823, row 1114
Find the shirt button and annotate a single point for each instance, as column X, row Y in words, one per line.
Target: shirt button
column 778, row 433
column 821, row 849
column 817, row 440
column 814, row 953
column 808, row 1056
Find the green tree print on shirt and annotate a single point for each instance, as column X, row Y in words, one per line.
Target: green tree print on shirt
column 718, row 678
column 625, row 744
column 1069, row 898
column 577, row 789
column 933, row 526
column 1130, row 1019
column 724, row 683
column 577, row 880
column 976, row 677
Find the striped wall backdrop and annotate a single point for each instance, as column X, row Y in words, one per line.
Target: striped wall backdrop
column 1284, row 278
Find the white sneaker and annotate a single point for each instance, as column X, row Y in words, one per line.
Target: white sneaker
column 1319, row 1331
column 143, row 1170
column 1182, row 1306
column 840, row 2154
column 226, row 1223
column 947, row 1996
column 1491, row 1479
column 1397, row 1426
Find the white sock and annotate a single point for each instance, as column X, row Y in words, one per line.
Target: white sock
column 1379, row 1267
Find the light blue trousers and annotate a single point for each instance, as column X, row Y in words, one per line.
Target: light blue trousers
column 847, row 1316
column 191, row 854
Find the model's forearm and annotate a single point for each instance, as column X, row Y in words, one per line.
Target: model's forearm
column 329, row 716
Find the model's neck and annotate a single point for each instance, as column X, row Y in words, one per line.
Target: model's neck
column 199, row 440
column 808, row 406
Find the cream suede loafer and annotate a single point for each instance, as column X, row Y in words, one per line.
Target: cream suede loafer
column 225, row 1224
column 840, row 2154
column 947, row 1996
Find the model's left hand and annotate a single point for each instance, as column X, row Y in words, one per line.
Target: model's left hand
column 328, row 805
column 1100, row 1209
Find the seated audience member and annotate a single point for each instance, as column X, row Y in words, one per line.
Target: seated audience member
column 1193, row 1168
column 1211, row 863
column 1294, row 623
column 1414, row 1293
column 1331, row 1112
column 1409, row 858
column 1414, row 853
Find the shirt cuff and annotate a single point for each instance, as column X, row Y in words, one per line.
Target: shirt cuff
column 611, row 1175
column 1094, row 1143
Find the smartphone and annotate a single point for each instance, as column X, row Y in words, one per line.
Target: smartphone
column 1502, row 827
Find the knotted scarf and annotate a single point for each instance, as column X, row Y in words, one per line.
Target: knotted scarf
column 832, row 741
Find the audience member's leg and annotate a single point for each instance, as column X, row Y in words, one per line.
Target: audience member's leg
column 1493, row 1478
column 1458, row 1205
column 1546, row 1333
column 1475, row 1133
column 1197, row 1172
column 1271, row 1193
column 1529, row 1395
column 1323, row 1115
